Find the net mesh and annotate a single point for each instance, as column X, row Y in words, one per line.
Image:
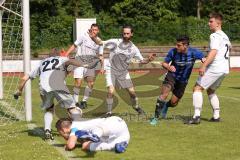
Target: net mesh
column 10, row 109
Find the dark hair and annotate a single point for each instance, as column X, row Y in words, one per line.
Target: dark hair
column 217, row 16
column 95, row 25
column 63, row 122
column 183, row 38
column 128, row 26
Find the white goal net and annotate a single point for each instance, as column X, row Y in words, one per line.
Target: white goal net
column 12, row 66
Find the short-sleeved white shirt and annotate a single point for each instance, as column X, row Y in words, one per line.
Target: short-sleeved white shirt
column 87, row 125
column 52, row 72
column 87, row 48
column 121, row 54
column 220, row 41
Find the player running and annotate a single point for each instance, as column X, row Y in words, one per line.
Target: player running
column 179, row 63
column 95, row 135
column 52, row 72
column 121, row 53
column 213, row 70
column 87, row 51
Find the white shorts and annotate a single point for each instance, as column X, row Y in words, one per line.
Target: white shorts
column 123, row 80
column 81, row 72
column 118, row 132
column 211, row 80
column 64, row 98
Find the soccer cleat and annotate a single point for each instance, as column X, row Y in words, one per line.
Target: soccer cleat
column 121, row 147
column 214, row 120
column 108, row 114
column 154, row 121
column 83, row 104
column 139, row 110
column 77, row 105
column 164, row 111
column 195, row 120
column 48, row 135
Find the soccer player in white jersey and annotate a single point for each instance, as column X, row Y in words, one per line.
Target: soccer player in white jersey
column 213, row 70
column 116, row 71
column 95, row 135
column 52, row 72
column 87, row 51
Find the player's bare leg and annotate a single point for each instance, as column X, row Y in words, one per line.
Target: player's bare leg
column 214, row 101
column 134, row 100
column 76, row 89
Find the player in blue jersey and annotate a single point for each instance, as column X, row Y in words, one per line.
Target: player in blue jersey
column 179, row 63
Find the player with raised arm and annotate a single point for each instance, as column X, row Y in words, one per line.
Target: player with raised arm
column 121, row 53
column 52, row 72
column 88, row 50
column 95, row 135
column 179, row 63
column 213, row 70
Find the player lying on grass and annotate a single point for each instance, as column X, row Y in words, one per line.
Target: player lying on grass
column 52, row 72
column 95, row 135
column 179, row 63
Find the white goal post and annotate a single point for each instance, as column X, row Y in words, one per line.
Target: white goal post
column 24, row 16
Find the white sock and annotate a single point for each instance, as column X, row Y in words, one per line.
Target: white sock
column 87, row 93
column 215, row 105
column 135, row 102
column 197, row 103
column 109, row 104
column 48, row 118
column 76, row 91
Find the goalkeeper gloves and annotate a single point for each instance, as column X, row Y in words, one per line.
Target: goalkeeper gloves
column 17, row 94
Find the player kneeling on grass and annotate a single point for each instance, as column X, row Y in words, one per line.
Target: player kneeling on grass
column 179, row 63
column 52, row 72
column 95, row 135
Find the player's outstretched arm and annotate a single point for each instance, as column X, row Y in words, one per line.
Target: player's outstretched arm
column 72, row 48
column 22, row 83
column 71, row 143
column 168, row 67
column 150, row 58
column 74, row 62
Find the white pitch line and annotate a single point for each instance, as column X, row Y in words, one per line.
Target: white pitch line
column 69, row 155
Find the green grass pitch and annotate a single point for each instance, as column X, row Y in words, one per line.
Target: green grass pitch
column 171, row 139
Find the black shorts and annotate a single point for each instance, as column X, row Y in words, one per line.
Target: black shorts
column 177, row 87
